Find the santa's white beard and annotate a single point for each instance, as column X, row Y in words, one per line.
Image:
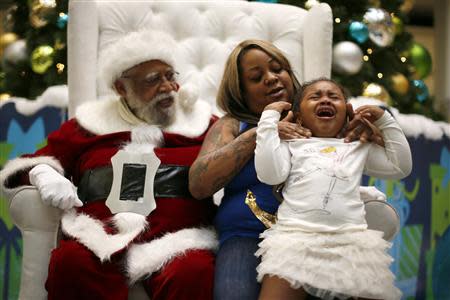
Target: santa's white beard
column 151, row 112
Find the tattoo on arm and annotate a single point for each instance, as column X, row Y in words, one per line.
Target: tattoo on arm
column 223, row 155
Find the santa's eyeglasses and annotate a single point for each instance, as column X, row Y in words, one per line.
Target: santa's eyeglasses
column 155, row 79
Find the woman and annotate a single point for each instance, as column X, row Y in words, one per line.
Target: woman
column 256, row 74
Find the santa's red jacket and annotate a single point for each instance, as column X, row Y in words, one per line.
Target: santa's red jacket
column 87, row 143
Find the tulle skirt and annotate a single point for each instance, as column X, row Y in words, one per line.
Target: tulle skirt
column 329, row 265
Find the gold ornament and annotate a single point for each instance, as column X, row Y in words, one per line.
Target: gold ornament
column 4, row 96
column 39, row 12
column 60, row 67
column 7, row 38
column 42, row 59
column 407, row 6
column 400, row 83
column 310, row 3
column 374, row 90
column 59, row 45
column 48, row 3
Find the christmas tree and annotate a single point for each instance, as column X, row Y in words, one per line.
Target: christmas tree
column 33, row 47
column 374, row 56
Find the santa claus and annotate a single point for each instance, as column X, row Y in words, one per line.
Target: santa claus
column 135, row 150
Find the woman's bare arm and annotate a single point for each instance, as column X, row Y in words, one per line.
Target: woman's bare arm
column 224, row 153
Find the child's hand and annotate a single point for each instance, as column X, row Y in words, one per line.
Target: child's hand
column 370, row 112
column 279, row 106
column 288, row 130
column 360, row 126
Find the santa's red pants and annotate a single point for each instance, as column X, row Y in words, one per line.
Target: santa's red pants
column 76, row 273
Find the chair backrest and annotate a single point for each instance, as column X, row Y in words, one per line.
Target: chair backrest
column 206, row 32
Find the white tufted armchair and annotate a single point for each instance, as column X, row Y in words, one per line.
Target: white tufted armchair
column 206, row 32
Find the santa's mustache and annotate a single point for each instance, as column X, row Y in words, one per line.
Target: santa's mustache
column 163, row 96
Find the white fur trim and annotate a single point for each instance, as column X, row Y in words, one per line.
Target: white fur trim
column 144, row 138
column 102, row 117
column 360, row 101
column 191, row 123
column 90, row 231
column 413, row 125
column 147, row 258
column 22, row 164
column 56, row 96
column 187, row 94
column 132, row 49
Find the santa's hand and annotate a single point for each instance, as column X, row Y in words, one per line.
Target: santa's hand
column 371, row 193
column 55, row 189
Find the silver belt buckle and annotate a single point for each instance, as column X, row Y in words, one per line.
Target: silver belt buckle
column 132, row 187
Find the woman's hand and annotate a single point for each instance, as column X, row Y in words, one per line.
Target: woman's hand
column 360, row 126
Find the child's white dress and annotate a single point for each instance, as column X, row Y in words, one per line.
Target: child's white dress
column 320, row 241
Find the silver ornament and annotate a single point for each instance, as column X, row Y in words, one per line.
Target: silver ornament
column 347, row 58
column 15, row 53
column 381, row 27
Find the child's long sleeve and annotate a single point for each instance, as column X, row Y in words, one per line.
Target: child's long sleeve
column 272, row 157
column 393, row 161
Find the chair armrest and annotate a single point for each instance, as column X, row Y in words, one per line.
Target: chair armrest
column 39, row 226
column 381, row 216
column 29, row 213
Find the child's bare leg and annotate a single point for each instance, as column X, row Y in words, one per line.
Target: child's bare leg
column 275, row 288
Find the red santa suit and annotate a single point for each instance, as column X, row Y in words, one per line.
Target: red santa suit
column 101, row 253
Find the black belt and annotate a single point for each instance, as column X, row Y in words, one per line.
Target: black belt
column 171, row 181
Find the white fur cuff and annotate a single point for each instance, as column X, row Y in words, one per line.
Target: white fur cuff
column 147, row 258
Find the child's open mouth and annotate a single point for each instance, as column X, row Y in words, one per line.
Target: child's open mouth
column 325, row 112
